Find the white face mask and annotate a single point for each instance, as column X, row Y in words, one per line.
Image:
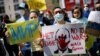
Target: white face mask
column 59, row 17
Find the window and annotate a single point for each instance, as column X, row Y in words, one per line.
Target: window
column 15, row 1
column 16, row 6
column 1, row 0
column 1, row 3
column 2, row 9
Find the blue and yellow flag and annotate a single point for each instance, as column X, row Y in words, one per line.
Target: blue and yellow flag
column 23, row 31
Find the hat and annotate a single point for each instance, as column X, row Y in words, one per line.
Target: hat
column 23, row 6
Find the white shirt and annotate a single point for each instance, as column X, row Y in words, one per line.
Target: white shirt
column 21, row 19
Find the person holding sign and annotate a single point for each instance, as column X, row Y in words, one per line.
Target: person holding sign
column 77, row 14
column 59, row 16
column 62, row 44
column 25, row 48
column 11, row 49
column 36, row 48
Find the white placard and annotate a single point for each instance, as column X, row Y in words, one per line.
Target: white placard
column 63, row 40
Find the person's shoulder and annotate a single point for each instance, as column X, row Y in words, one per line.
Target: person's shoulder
column 20, row 19
column 73, row 20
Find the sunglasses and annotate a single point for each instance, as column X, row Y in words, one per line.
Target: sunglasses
column 58, row 12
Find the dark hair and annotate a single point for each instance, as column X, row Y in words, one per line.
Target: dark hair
column 35, row 12
column 80, row 9
column 56, row 8
column 97, row 2
column 87, row 5
column 6, row 19
column 66, row 18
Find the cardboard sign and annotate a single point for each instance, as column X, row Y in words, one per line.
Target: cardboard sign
column 23, row 32
column 63, row 40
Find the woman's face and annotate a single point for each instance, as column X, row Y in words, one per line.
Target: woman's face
column 33, row 15
column 76, row 13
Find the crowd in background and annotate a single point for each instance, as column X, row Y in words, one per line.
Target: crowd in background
column 57, row 16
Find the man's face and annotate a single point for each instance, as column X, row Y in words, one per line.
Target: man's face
column 97, row 7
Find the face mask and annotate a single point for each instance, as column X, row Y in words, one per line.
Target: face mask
column 98, row 8
column 59, row 17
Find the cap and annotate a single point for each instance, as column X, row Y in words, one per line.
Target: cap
column 23, row 6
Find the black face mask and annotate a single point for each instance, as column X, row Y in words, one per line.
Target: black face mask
column 97, row 9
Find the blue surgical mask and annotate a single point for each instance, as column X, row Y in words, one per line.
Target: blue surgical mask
column 59, row 17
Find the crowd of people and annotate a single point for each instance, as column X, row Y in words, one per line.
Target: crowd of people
column 58, row 16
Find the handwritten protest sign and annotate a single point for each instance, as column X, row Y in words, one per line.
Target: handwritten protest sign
column 23, row 32
column 63, row 40
column 36, row 4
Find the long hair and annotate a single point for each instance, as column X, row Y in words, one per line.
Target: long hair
column 80, row 9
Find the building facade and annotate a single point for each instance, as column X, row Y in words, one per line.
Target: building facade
column 9, row 7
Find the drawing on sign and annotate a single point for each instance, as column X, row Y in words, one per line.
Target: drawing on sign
column 62, row 38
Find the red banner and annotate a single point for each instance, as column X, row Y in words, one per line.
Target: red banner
column 70, row 4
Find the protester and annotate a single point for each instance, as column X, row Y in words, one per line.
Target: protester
column 78, row 17
column 24, row 12
column 77, row 14
column 2, row 50
column 10, row 48
column 97, row 6
column 48, row 15
column 86, row 10
column 94, row 19
column 25, row 48
column 59, row 16
column 42, row 20
column 36, row 48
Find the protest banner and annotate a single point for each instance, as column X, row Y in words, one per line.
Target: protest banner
column 23, row 31
column 36, row 4
column 93, row 26
column 70, row 4
column 63, row 39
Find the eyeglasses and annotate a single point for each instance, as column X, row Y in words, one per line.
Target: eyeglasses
column 57, row 12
